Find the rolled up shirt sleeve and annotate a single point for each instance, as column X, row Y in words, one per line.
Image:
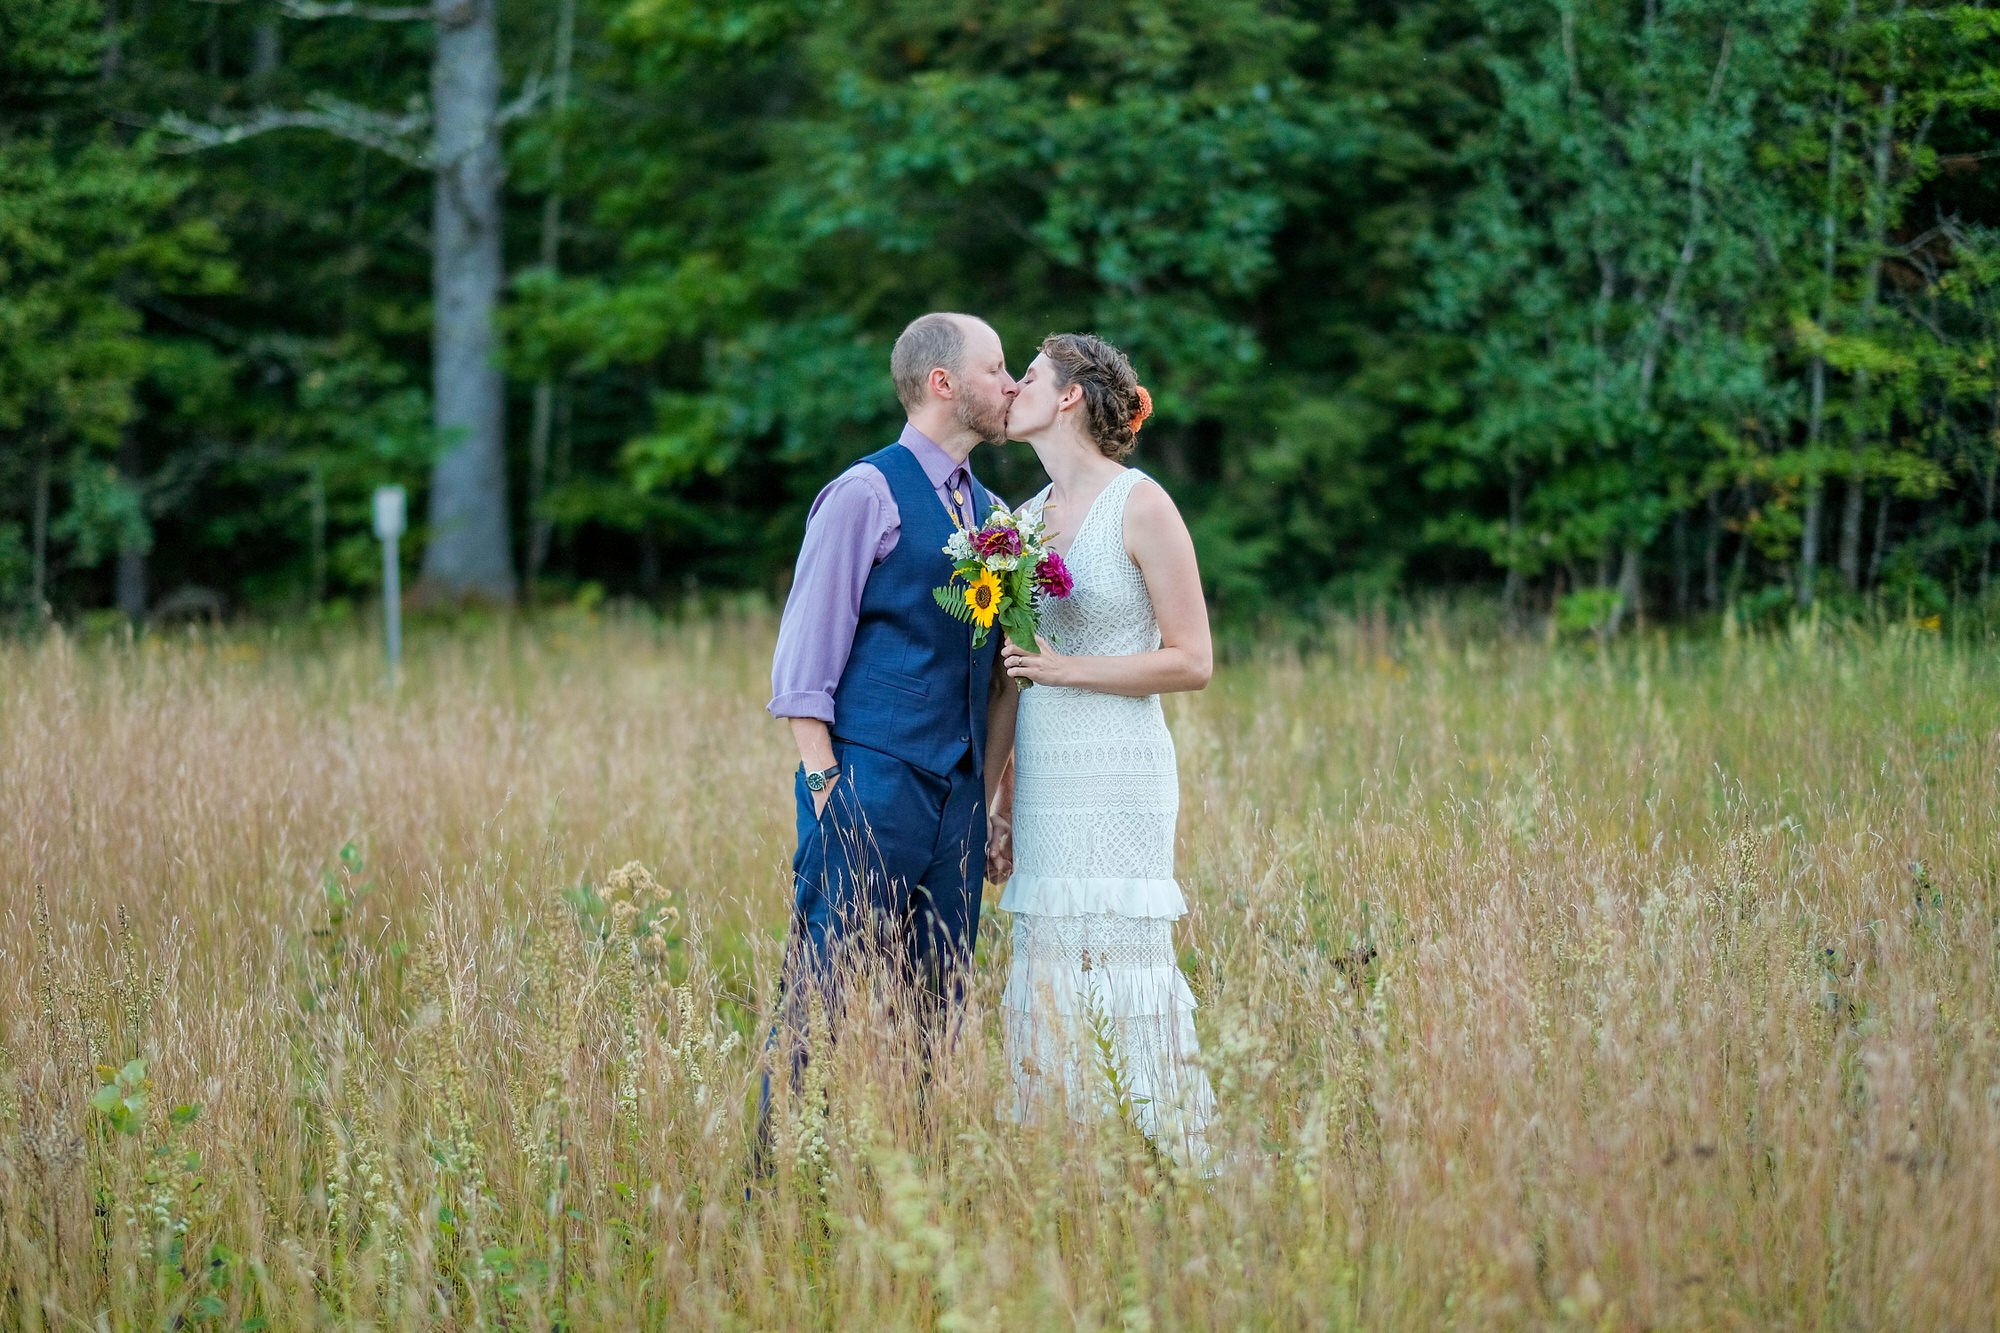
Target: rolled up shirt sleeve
column 851, row 528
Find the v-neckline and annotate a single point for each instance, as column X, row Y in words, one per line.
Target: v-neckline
column 1077, row 536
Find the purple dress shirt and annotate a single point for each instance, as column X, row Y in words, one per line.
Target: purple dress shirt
column 852, row 527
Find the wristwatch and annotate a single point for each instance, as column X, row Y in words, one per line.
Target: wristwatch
column 818, row 782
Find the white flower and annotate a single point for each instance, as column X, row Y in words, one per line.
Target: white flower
column 1001, row 564
column 960, row 545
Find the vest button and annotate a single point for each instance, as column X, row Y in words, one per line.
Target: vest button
column 965, row 740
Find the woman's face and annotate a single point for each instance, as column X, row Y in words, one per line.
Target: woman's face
column 1037, row 403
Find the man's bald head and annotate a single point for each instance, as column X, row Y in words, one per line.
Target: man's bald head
column 931, row 342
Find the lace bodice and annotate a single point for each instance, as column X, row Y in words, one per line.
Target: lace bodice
column 1109, row 614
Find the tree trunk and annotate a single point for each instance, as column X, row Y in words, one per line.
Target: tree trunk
column 266, row 51
column 130, row 582
column 1881, row 540
column 1741, row 564
column 1510, row 592
column 1711, row 565
column 1815, row 518
column 1871, row 294
column 1809, row 535
column 1992, row 476
column 1629, row 583
column 113, row 54
column 1986, row 556
column 316, row 505
column 545, row 388
column 649, row 561
column 539, row 528
column 132, row 593
column 559, row 466
column 132, row 550
column 1850, row 528
column 38, row 594
column 1809, row 539
column 1683, row 568
column 469, row 553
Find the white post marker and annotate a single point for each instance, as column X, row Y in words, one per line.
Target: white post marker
column 389, row 522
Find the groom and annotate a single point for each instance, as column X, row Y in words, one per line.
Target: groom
column 885, row 694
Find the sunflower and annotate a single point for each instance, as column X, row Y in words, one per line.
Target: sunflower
column 984, row 598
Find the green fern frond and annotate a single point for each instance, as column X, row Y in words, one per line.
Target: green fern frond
column 953, row 604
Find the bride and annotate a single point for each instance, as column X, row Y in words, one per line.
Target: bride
column 1098, row 1017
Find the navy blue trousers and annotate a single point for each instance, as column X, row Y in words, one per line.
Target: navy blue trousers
column 888, row 876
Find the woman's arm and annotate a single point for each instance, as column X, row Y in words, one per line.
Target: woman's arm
column 1003, row 704
column 1157, row 539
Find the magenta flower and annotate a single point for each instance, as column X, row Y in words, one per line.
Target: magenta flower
column 997, row 541
column 1052, row 575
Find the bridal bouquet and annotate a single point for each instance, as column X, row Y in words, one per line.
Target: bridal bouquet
column 1007, row 566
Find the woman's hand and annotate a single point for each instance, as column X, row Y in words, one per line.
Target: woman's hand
column 1047, row 667
column 999, row 846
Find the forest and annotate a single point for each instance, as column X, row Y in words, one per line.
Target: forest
column 1613, row 312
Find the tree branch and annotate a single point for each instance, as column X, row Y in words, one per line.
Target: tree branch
column 1663, row 317
column 347, row 9
column 530, row 97
column 344, row 9
column 398, row 136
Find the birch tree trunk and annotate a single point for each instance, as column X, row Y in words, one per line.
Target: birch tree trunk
column 1881, row 539
column 469, row 554
column 316, row 519
column 1813, row 518
column 1809, row 536
column 1683, row 568
column 130, row 583
column 132, row 597
column 266, row 51
column 1630, row 588
column 1986, row 556
column 1631, row 570
column 1871, row 293
column 545, row 388
column 1992, row 483
column 1510, row 593
column 38, row 587
column 1711, row 560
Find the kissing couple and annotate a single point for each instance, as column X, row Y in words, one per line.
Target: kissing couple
column 924, row 771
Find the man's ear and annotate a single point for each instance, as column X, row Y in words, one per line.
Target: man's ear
column 941, row 382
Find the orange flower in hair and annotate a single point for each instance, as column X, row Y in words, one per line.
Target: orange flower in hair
column 1145, row 409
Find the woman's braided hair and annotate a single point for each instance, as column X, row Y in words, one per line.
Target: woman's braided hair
column 1115, row 404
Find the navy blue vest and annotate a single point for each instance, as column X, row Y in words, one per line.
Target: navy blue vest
column 914, row 687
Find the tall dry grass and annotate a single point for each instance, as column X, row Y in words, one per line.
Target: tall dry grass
column 1654, row 988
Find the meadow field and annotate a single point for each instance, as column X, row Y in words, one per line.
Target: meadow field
column 1542, row 985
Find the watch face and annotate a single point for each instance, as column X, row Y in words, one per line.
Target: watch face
column 816, row 781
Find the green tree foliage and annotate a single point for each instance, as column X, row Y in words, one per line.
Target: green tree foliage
column 1670, row 282
column 289, row 396
column 1604, row 271
column 1625, row 308
column 90, row 229
column 1180, row 178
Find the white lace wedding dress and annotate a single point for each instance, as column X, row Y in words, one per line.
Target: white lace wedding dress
column 1098, row 1017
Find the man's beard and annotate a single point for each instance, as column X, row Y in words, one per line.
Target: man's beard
column 988, row 423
